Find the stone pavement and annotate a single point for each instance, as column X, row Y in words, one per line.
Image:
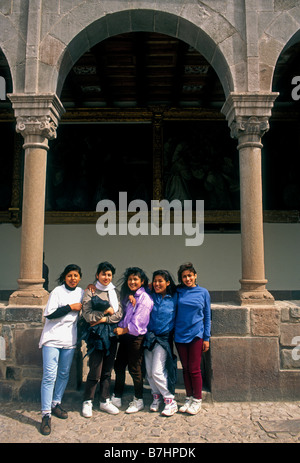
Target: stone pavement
column 234, row 422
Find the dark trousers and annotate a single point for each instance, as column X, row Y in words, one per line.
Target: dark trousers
column 130, row 353
column 190, row 356
column 100, row 366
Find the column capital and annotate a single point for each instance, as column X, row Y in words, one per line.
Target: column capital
column 248, row 114
column 37, row 115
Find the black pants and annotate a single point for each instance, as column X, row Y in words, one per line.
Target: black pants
column 130, row 353
column 100, row 366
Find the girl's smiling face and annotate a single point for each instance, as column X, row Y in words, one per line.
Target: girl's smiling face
column 188, row 278
column 134, row 282
column 72, row 279
column 105, row 277
column 160, row 285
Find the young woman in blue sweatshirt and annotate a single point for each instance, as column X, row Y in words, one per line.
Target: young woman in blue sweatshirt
column 192, row 333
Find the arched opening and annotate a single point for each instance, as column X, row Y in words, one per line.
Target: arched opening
column 8, row 141
column 118, row 87
column 282, row 142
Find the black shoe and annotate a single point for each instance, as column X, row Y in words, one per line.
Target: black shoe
column 59, row 412
column 46, row 425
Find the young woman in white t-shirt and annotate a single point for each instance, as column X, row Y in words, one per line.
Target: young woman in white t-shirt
column 58, row 343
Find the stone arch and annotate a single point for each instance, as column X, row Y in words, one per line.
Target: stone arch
column 281, row 33
column 14, row 49
column 59, row 50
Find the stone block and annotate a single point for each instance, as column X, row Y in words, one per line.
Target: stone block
column 290, row 359
column 27, row 349
column 142, row 20
column 23, row 314
column 265, row 321
column 295, row 312
column 166, row 22
column 288, row 332
column 285, row 314
column 118, row 22
column 230, row 321
column 13, row 373
column 6, row 391
column 289, row 385
column 30, row 391
column 244, row 368
column 7, row 335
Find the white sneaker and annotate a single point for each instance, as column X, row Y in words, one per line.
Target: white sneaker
column 116, row 401
column 195, row 407
column 87, row 409
column 109, row 407
column 135, row 406
column 170, row 407
column 157, row 401
column 187, row 403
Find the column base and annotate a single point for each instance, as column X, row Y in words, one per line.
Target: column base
column 254, row 292
column 30, row 292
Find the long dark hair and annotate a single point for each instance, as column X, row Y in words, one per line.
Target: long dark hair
column 125, row 291
column 188, row 266
column 69, row 268
column 171, row 288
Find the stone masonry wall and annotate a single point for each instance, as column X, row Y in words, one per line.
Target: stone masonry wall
column 254, row 353
column 251, row 352
column 290, row 336
column 20, row 360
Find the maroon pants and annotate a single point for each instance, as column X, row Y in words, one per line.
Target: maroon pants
column 190, row 356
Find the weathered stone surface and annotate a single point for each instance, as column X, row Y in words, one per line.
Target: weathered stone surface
column 289, row 384
column 30, row 390
column 23, row 314
column 244, row 368
column 6, row 391
column 230, row 320
column 290, row 359
column 13, row 373
column 288, row 332
column 27, row 350
column 295, row 312
column 265, row 321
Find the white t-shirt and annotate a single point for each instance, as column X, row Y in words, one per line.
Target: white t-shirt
column 61, row 332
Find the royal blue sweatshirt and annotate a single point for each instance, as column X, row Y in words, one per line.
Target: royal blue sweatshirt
column 193, row 314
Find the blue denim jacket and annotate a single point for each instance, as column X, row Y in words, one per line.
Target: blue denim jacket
column 162, row 317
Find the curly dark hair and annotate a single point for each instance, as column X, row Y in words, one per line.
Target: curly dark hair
column 125, row 291
column 187, row 266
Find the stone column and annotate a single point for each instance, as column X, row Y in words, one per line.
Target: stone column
column 37, row 118
column 248, row 118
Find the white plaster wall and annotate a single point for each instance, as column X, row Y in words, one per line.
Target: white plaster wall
column 217, row 260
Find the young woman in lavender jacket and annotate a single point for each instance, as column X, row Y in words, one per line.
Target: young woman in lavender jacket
column 131, row 332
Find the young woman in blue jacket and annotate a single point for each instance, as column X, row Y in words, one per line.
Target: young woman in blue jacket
column 192, row 334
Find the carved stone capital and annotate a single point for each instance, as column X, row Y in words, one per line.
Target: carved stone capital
column 33, row 125
column 252, row 127
column 37, row 115
column 248, row 114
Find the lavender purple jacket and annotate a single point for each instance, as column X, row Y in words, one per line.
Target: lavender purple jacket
column 137, row 318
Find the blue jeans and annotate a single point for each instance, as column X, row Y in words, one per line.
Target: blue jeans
column 56, row 369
